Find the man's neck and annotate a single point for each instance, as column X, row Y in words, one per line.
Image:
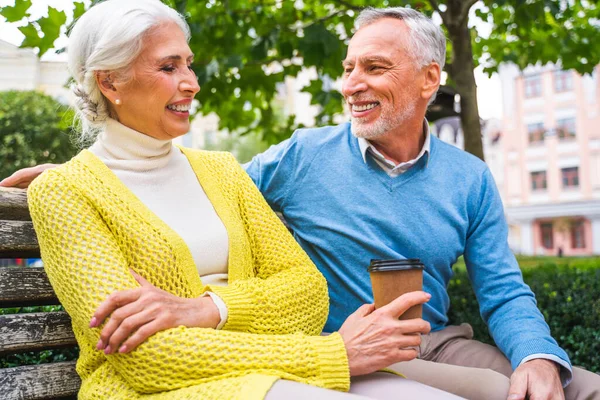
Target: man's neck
column 403, row 144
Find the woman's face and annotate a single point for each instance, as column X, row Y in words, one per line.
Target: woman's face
column 157, row 98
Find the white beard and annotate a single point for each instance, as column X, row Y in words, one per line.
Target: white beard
column 387, row 121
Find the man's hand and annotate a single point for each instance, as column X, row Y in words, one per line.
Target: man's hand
column 537, row 379
column 137, row 314
column 23, row 177
column 376, row 339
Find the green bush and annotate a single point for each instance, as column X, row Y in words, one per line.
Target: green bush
column 34, row 129
column 568, row 294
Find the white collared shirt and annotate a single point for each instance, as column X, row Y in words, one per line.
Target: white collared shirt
column 392, row 169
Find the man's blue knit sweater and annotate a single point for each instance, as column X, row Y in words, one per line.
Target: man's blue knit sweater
column 344, row 212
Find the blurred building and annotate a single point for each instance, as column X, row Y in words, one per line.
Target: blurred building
column 21, row 69
column 549, row 158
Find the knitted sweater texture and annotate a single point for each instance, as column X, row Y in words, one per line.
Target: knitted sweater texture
column 92, row 230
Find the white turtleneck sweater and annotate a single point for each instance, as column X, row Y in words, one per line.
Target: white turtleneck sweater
column 160, row 175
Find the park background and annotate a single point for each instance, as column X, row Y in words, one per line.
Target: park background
column 521, row 91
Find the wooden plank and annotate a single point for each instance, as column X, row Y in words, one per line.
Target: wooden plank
column 21, row 286
column 18, row 240
column 13, row 204
column 35, row 331
column 36, row 382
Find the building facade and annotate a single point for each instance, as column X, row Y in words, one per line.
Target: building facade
column 549, row 160
column 21, row 69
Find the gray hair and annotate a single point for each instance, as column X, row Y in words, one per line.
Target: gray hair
column 109, row 37
column 427, row 40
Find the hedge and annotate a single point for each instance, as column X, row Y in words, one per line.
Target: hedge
column 568, row 294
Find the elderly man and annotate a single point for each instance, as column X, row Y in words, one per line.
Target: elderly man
column 383, row 187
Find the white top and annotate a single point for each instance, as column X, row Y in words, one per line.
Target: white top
column 160, row 175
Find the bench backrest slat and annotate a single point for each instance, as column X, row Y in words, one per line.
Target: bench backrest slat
column 21, row 287
column 44, row 381
column 18, row 240
column 35, row 331
column 13, row 205
column 25, row 287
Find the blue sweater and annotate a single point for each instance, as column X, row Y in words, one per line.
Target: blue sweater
column 344, row 212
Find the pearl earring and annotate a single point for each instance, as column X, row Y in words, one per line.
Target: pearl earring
column 118, row 102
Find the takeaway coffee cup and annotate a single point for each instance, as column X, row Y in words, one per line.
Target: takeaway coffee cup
column 392, row 278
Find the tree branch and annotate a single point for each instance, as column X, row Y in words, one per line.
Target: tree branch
column 466, row 6
column 348, row 5
column 323, row 19
column 435, row 6
column 448, row 67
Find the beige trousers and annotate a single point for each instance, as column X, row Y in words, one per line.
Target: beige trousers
column 452, row 361
column 377, row 386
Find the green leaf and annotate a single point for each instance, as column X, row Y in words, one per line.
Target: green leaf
column 32, row 38
column 17, row 12
column 50, row 27
column 78, row 10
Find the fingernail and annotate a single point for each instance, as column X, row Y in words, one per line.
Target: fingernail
column 93, row 322
column 107, row 350
column 100, row 345
column 123, row 349
column 428, row 295
column 514, row 397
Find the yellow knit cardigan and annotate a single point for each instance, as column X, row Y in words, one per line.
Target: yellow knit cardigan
column 92, row 229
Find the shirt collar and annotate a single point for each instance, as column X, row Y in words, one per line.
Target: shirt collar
column 365, row 145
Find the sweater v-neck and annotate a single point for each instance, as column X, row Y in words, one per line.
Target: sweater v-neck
column 391, row 184
column 221, row 206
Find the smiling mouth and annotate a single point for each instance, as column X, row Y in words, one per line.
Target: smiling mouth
column 179, row 107
column 364, row 107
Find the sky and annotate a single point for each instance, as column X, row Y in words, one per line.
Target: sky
column 488, row 89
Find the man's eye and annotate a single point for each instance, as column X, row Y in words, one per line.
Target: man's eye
column 168, row 68
column 347, row 71
column 374, row 68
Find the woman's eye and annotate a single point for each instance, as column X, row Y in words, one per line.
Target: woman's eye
column 168, row 68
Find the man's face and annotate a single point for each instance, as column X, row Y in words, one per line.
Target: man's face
column 380, row 79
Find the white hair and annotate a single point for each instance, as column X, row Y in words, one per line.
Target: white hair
column 427, row 42
column 109, row 37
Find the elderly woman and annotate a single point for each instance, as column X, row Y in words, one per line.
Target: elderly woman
column 179, row 279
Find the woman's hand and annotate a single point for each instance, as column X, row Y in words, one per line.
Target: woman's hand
column 137, row 314
column 23, row 177
column 376, row 339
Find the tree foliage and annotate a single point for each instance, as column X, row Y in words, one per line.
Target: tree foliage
column 245, row 48
column 548, row 31
column 33, row 130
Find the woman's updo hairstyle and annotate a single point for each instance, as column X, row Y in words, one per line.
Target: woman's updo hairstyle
column 109, row 37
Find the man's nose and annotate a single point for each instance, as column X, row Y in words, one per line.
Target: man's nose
column 354, row 83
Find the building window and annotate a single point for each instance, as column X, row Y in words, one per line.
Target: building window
column 565, row 128
column 570, row 177
column 563, row 81
column 538, row 180
column 547, row 235
column 578, row 235
column 536, row 132
column 533, row 86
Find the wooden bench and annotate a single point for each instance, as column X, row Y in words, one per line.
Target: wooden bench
column 29, row 286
